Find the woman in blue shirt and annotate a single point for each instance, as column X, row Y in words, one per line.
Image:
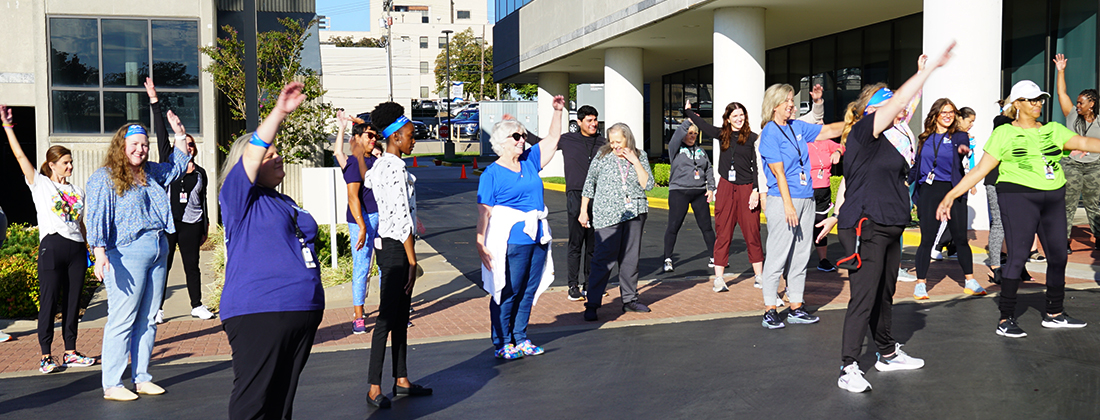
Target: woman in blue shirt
column 512, row 224
column 790, row 205
column 128, row 215
column 941, row 149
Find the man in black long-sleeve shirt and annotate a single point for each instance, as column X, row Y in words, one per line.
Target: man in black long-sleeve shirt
column 577, row 150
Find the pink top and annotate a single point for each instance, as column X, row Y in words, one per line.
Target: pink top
column 821, row 162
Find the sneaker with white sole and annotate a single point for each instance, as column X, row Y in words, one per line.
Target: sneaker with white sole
column 159, row 319
column 668, row 265
column 900, row 361
column 1036, row 257
column 710, row 264
column 75, row 359
column 1063, row 320
column 905, row 276
column 47, row 365
column 851, row 379
column 1008, row 328
column 772, row 321
column 756, row 282
column 920, row 291
column 719, row 286
column 937, row 255
column 4, row 337
column 119, row 393
column 800, row 316
column 973, row 288
column 202, row 312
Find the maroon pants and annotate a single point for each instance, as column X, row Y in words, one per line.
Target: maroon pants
column 731, row 208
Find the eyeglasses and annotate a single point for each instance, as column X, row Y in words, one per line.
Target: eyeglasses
column 519, row 136
column 946, row 113
column 1036, row 101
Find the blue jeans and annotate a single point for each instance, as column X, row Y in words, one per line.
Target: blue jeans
column 135, row 284
column 523, row 269
column 360, row 258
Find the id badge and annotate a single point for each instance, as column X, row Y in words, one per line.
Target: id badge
column 1049, row 172
column 802, row 178
column 732, row 176
column 307, row 256
column 931, row 177
column 820, row 174
column 183, row 198
column 697, row 174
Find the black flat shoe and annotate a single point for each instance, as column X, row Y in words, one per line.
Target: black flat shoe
column 412, row 391
column 380, row 401
column 590, row 314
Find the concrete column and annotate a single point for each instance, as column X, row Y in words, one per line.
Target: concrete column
column 971, row 78
column 738, row 63
column 622, row 74
column 550, row 85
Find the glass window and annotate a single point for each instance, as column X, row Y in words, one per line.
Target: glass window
column 1076, row 38
column 799, row 63
column 423, row 67
column 876, row 53
column 74, row 52
column 185, row 105
column 424, row 17
column 442, row 42
column 175, row 58
column 125, row 52
column 423, row 42
column 423, row 91
column 120, row 108
column 75, row 111
column 908, row 45
column 463, row 14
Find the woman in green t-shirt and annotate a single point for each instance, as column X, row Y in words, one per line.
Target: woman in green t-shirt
column 1031, row 192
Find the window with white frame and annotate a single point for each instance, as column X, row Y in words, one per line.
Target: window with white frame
column 423, row 42
column 463, row 14
column 423, row 67
column 442, row 42
column 423, row 91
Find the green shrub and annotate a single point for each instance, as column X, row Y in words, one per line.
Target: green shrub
column 22, row 240
column 19, row 274
column 661, row 174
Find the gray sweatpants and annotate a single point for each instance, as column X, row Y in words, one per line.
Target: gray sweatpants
column 788, row 248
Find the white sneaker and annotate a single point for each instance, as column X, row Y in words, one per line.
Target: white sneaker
column 905, row 276
column 901, row 361
column 852, row 380
column 4, row 337
column 201, row 312
column 720, row 285
column 159, row 319
column 937, row 255
column 756, row 282
column 668, row 265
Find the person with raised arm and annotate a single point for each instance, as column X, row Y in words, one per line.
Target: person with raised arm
column 1082, row 169
column 691, row 183
column 874, row 203
column 362, row 214
column 63, row 255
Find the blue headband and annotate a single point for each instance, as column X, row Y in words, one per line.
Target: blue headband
column 135, row 129
column 392, row 128
column 882, row 95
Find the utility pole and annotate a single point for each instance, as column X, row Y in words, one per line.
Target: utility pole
column 251, row 84
column 389, row 44
column 447, row 33
column 452, row 12
column 481, row 76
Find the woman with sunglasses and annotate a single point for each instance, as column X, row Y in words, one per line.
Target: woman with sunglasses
column 62, row 255
column 513, row 236
column 188, row 199
column 1031, row 191
column 362, row 215
column 691, row 182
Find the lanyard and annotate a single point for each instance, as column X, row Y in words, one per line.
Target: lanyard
column 622, row 172
column 936, row 150
column 792, row 141
column 294, row 221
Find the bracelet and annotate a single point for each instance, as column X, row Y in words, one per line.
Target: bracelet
column 9, row 125
column 181, row 137
column 257, row 141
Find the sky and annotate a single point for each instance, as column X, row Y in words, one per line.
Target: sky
column 354, row 15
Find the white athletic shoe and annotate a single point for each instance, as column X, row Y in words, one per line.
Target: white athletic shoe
column 901, row 361
column 905, row 276
column 851, row 379
column 159, row 319
column 720, row 285
column 201, row 312
column 937, row 255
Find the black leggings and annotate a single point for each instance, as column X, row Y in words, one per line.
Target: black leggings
column 270, row 350
column 189, row 237
column 1023, row 214
column 678, row 201
column 927, row 203
column 393, row 312
column 62, row 263
column 872, row 290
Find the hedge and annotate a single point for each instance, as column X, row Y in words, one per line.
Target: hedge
column 19, row 274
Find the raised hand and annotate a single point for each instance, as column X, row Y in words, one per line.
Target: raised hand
column 341, row 118
column 943, row 59
column 1060, row 62
column 290, row 98
column 816, row 93
column 921, row 61
column 687, row 104
column 5, row 114
column 177, row 126
column 559, row 103
column 150, row 90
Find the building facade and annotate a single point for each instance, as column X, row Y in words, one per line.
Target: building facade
column 653, row 55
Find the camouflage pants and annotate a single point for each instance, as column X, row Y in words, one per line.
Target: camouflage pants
column 1082, row 183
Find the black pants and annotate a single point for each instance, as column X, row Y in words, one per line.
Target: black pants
column 270, row 350
column 872, row 290
column 927, row 203
column 619, row 244
column 579, row 237
column 62, row 263
column 393, row 312
column 189, row 237
column 678, row 201
column 1024, row 214
column 823, row 201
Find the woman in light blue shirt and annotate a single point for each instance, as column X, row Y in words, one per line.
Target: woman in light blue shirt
column 128, row 215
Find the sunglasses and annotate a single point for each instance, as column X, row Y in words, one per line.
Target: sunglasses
column 192, row 145
column 519, row 136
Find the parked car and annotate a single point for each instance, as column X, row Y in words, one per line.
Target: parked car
column 420, row 130
column 466, row 125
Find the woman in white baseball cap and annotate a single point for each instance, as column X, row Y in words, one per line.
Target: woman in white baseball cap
column 1031, row 192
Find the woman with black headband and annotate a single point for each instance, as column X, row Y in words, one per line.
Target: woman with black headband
column 128, row 217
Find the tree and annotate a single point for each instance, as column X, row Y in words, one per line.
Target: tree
column 279, row 59
column 530, row 91
column 466, row 67
column 349, row 41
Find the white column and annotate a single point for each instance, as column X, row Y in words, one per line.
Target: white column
column 971, row 78
column 550, row 85
column 622, row 78
column 738, row 63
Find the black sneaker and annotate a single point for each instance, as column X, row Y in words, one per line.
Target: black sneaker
column 800, row 316
column 635, row 306
column 1008, row 328
column 1063, row 320
column 825, row 265
column 710, row 264
column 575, row 293
column 771, row 320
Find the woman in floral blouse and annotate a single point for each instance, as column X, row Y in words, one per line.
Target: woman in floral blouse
column 617, row 181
